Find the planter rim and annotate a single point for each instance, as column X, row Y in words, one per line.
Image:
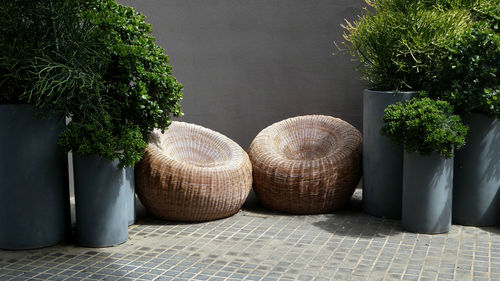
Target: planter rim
column 433, row 154
column 389, row 91
column 14, row 104
column 32, row 106
column 93, row 155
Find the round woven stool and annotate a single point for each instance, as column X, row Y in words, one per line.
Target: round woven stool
column 307, row 164
column 190, row 173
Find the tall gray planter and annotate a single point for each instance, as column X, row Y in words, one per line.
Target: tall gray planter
column 131, row 196
column 427, row 193
column 34, row 193
column 382, row 160
column 102, row 201
column 476, row 191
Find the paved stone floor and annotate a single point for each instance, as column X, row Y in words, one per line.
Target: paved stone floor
column 257, row 244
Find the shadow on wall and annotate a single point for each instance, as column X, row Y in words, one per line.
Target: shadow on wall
column 437, row 208
column 492, row 176
column 493, row 157
column 493, row 164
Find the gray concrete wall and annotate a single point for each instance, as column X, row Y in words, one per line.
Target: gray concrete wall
column 246, row 64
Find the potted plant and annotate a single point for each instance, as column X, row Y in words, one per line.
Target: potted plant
column 395, row 42
column 468, row 79
column 429, row 133
column 110, row 127
column 34, row 199
column 101, row 67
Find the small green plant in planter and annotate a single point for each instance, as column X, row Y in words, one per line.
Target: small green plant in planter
column 138, row 94
column 424, row 126
column 429, row 133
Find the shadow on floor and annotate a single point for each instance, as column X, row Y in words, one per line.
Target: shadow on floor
column 349, row 221
column 143, row 217
column 491, row 229
column 352, row 221
column 253, row 205
column 344, row 223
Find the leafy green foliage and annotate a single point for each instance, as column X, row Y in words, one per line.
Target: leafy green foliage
column 95, row 61
column 138, row 75
column 99, row 139
column 468, row 76
column 424, row 126
column 139, row 92
column 488, row 11
column 395, row 40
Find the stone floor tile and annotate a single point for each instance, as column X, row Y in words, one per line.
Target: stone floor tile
column 257, row 244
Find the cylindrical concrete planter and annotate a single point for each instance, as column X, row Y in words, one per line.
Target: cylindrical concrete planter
column 131, row 195
column 102, row 201
column 382, row 160
column 427, row 193
column 34, row 193
column 476, row 191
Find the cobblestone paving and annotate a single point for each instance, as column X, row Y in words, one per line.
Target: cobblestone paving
column 260, row 245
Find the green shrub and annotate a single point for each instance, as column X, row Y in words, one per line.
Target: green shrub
column 488, row 11
column 139, row 92
column 395, row 40
column 468, row 77
column 95, row 61
column 424, row 126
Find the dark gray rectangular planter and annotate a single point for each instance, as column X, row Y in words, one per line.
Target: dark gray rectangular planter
column 476, row 191
column 34, row 193
column 427, row 193
column 102, row 201
column 382, row 160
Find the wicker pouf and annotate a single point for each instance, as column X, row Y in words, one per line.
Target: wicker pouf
column 190, row 173
column 307, row 164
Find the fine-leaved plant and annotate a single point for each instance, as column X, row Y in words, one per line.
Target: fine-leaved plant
column 395, row 40
column 47, row 52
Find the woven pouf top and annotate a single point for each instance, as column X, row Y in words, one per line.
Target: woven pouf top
column 191, row 173
column 307, row 164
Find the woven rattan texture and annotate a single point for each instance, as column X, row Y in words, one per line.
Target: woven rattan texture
column 307, row 164
column 190, row 173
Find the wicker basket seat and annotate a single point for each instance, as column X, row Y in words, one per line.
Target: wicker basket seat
column 190, row 173
column 307, row 164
